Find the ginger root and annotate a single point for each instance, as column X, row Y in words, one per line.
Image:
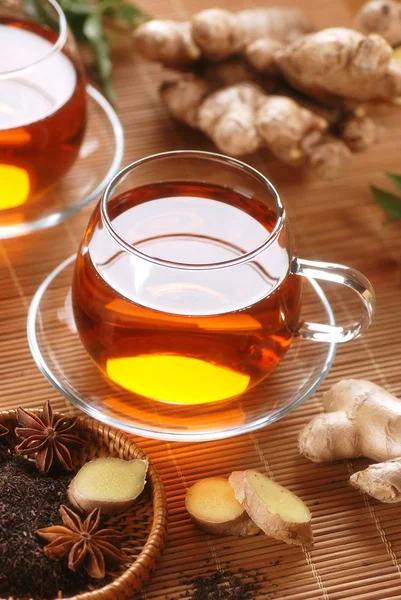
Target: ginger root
column 261, row 55
column 184, row 96
column 242, row 118
column 240, row 60
column 327, row 155
column 360, row 419
column 220, row 33
column 276, row 510
column 340, row 63
column 358, row 131
column 216, row 34
column 381, row 481
column 213, row 508
column 167, row 42
column 228, row 117
column 382, row 17
column 110, row 484
column 232, row 71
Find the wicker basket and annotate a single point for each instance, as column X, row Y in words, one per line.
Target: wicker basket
column 147, row 520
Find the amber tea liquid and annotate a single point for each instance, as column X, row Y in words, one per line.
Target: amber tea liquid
column 42, row 113
column 182, row 336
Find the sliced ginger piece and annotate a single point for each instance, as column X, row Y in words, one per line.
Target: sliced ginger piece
column 212, row 506
column 276, row 510
column 110, row 484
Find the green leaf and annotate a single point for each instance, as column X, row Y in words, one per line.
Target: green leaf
column 108, row 5
column 93, row 28
column 396, row 179
column 94, row 32
column 389, row 202
column 76, row 8
column 76, row 23
column 120, row 10
column 65, row 4
column 85, row 19
column 129, row 13
column 39, row 12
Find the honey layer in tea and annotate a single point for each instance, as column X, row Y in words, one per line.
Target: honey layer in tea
column 184, row 335
column 42, row 112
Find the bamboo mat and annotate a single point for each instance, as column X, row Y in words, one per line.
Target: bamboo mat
column 357, row 552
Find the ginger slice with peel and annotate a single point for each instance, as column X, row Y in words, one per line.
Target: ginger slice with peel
column 212, row 506
column 276, row 510
column 109, row 483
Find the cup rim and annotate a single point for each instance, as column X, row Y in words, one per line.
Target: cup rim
column 56, row 47
column 243, row 258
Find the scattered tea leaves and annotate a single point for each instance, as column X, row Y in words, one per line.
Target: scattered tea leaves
column 224, row 585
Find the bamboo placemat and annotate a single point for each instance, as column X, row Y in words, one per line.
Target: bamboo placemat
column 357, row 553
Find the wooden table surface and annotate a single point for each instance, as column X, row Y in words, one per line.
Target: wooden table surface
column 357, row 553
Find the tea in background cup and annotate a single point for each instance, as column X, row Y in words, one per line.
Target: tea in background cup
column 42, row 103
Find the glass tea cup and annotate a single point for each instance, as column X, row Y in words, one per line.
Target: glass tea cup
column 42, row 104
column 186, row 289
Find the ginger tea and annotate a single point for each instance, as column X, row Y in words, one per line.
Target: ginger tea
column 42, row 112
column 184, row 335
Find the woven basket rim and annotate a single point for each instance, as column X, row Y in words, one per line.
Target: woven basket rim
column 139, row 572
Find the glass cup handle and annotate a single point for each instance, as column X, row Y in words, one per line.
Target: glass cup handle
column 345, row 276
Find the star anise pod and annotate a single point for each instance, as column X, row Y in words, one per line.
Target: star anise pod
column 3, row 430
column 47, row 437
column 87, row 546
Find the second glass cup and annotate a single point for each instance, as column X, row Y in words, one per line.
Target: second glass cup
column 186, row 288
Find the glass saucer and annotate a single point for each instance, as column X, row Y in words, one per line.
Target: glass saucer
column 59, row 354
column 98, row 161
